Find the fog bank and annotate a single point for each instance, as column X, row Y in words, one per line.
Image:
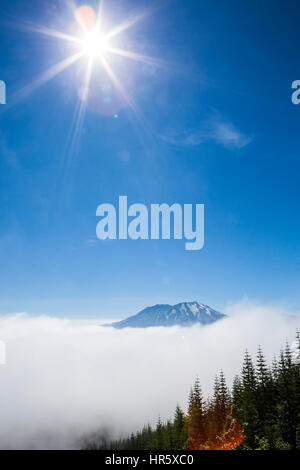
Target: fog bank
column 63, row 378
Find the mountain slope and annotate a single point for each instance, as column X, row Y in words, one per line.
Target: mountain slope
column 183, row 314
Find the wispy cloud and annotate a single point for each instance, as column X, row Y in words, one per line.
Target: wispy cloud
column 91, row 240
column 215, row 129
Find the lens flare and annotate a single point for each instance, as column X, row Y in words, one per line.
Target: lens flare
column 219, row 432
column 86, row 17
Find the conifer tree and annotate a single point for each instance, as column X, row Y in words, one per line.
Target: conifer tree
column 158, row 439
column 286, row 391
column 195, row 418
column 179, row 429
column 266, row 403
column 248, row 413
column 237, row 393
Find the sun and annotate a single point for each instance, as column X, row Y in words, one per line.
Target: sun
column 106, row 83
column 94, row 45
column 105, row 77
column 93, row 39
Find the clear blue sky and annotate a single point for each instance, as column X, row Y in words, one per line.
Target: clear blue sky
column 218, row 127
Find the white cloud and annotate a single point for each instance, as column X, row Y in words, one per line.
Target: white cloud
column 215, row 129
column 226, row 134
column 67, row 377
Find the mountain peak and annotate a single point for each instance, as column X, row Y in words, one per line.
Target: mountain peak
column 182, row 314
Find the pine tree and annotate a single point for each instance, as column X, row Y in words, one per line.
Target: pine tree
column 158, row 439
column 297, row 389
column 287, row 392
column 179, row 429
column 218, row 407
column 237, row 393
column 248, row 415
column 195, row 418
column 197, row 395
column 191, row 401
column 248, row 374
column 274, row 369
column 262, row 371
column 266, row 403
column 297, row 358
column 224, row 396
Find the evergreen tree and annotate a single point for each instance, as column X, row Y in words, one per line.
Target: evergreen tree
column 195, row 418
column 158, row 439
column 216, row 410
column 287, row 391
column 179, row 429
column 169, row 441
column 237, row 393
column 248, row 413
column 266, row 404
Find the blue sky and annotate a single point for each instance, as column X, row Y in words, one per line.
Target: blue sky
column 215, row 125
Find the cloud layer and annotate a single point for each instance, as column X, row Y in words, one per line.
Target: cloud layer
column 216, row 130
column 64, row 378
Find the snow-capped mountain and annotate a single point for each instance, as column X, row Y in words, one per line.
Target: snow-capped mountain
column 183, row 314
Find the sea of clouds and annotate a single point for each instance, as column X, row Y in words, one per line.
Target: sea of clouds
column 64, row 378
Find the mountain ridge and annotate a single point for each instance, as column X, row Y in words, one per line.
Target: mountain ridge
column 181, row 314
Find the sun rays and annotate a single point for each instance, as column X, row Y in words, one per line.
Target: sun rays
column 92, row 41
column 104, row 68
